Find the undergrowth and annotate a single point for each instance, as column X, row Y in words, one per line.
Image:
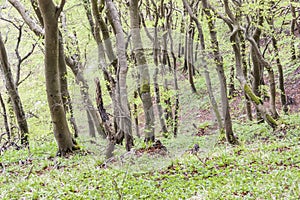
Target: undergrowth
column 265, row 166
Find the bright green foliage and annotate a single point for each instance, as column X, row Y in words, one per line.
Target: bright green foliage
column 266, row 167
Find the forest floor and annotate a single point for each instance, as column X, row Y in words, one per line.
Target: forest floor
column 266, row 165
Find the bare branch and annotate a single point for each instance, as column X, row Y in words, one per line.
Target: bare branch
column 28, row 20
column 60, row 8
column 11, row 22
column 20, row 82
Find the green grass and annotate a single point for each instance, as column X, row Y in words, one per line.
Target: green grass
column 265, row 166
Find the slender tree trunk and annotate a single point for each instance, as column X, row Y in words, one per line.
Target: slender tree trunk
column 124, row 119
column 65, row 95
column 166, row 13
column 92, row 131
column 205, row 68
column 142, row 65
column 292, row 30
column 61, row 130
column 220, row 69
column 190, row 60
column 245, row 72
column 257, row 67
column 75, row 67
column 176, row 104
column 13, row 94
column 156, row 50
column 5, row 120
column 105, row 119
column 159, row 107
column 135, row 114
column 280, row 77
column 231, row 82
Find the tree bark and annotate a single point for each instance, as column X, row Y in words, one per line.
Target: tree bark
column 13, row 94
column 62, row 134
column 5, row 119
column 88, row 104
column 292, row 30
column 65, row 95
column 257, row 70
column 220, row 69
column 142, row 65
column 124, row 119
column 158, row 104
column 205, row 68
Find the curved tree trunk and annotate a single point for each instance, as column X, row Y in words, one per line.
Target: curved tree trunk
column 75, row 67
column 257, row 71
column 246, row 87
column 13, row 94
column 205, row 68
column 124, row 118
column 61, row 130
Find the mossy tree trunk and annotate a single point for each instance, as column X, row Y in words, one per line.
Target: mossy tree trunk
column 142, row 65
column 220, row 70
column 257, row 69
column 236, row 28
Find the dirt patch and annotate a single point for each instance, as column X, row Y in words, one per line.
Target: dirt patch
column 156, row 149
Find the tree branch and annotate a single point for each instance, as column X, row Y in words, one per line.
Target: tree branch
column 60, row 8
column 28, row 20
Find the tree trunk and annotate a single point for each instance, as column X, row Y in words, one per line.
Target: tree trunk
column 158, row 104
column 111, row 136
column 280, row 76
column 124, row 119
column 278, row 62
column 61, row 130
column 142, row 65
column 5, row 120
column 176, row 104
column 135, row 114
column 190, row 59
column 292, row 30
column 156, row 50
column 231, row 82
column 13, row 94
column 75, row 67
column 65, row 95
column 245, row 72
column 246, row 88
column 257, row 67
column 205, row 68
column 220, row 69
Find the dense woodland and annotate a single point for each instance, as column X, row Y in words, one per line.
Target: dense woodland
column 178, row 81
